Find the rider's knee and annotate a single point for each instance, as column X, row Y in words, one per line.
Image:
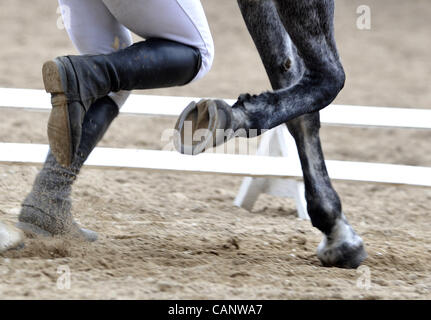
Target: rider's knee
column 207, row 56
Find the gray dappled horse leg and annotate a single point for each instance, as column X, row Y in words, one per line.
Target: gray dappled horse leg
column 309, row 24
column 340, row 246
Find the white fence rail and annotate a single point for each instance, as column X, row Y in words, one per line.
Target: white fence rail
column 172, row 106
column 266, row 173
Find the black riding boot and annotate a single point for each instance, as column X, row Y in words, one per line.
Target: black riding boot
column 75, row 82
column 47, row 208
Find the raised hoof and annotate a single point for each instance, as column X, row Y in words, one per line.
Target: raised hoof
column 76, row 232
column 203, row 125
column 10, row 237
column 342, row 249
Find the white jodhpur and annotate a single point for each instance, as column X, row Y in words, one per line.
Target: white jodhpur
column 104, row 26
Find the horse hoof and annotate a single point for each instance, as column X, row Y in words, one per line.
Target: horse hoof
column 203, row 125
column 10, row 237
column 342, row 249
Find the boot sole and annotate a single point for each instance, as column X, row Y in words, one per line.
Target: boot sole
column 59, row 132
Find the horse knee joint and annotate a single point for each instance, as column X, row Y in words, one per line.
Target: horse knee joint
column 340, row 79
column 330, row 84
column 336, row 81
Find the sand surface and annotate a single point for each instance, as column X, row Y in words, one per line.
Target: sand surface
column 179, row 236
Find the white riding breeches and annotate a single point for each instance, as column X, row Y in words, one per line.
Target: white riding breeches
column 103, row 26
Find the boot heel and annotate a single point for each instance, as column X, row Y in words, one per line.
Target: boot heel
column 51, row 77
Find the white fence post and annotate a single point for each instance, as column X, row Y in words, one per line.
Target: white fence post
column 277, row 143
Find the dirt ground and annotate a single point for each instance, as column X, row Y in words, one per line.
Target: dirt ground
column 166, row 236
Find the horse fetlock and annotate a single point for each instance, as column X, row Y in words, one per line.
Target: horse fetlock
column 251, row 111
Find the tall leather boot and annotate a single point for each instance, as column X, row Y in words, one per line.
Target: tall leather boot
column 75, row 82
column 47, row 208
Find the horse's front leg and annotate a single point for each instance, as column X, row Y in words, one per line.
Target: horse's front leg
column 341, row 246
column 288, row 72
column 298, row 28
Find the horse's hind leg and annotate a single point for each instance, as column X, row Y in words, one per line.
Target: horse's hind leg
column 340, row 246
